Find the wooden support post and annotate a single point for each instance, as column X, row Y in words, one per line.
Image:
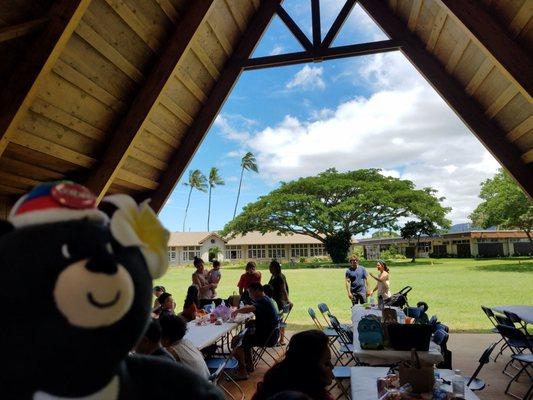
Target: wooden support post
column 217, row 97
column 147, row 98
column 294, row 28
column 338, row 23
column 25, row 28
column 450, row 90
column 22, row 87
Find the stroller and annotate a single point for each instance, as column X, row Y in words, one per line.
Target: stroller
column 398, row 299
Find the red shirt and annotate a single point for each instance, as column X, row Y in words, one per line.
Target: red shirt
column 247, row 279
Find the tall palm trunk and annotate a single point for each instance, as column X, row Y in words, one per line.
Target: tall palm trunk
column 238, row 194
column 187, row 208
column 209, row 209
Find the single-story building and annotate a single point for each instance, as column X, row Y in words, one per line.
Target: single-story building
column 184, row 246
column 474, row 243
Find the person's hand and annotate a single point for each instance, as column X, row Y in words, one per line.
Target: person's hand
column 350, row 296
column 368, row 294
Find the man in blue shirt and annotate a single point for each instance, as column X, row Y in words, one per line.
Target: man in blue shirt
column 356, row 280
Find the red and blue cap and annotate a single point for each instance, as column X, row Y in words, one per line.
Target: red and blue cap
column 56, row 202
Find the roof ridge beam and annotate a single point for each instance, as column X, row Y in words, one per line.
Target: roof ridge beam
column 147, row 98
column 229, row 75
column 23, row 86
column 512, row 60
column 466, row 108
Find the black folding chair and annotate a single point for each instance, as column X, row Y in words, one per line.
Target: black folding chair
column 325, row 311
column 341, row 374
column 346, row 347
column 522, row 348
column 219, row 365
column 259, row 353
column 473, row 382
column 518, row 343
column 517, row 320
column 490, row 315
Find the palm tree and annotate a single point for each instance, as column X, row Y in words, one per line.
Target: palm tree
column 214, row 180
column 248, row 163
column 196, row 181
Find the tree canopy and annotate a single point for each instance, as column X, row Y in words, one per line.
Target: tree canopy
column 504, row 205
column 334, row 204
column 415, row 229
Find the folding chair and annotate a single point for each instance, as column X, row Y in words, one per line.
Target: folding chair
column 325, row 311
column 518, row 343
column 218, row 367
column 259, row 352
column 346, row 347
column 517, row 320
column 490, row 315
column 329, row 332
column 473, row 382
column 342, row 374
column 284, row 315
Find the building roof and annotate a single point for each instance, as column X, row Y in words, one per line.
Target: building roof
column 197, row 238
column 119, row 95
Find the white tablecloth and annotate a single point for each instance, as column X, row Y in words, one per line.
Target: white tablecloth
column 363, row 382
column 387, row 356
column 524, row 312
column 205, row 335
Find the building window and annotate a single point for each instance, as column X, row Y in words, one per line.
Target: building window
column 424, row 247
column 172, row 254
column 299, row 250
column 233, row 252
column 466, row 241
column 189, row 252
column 316, row 250
column 276, row 251
column 257, row 251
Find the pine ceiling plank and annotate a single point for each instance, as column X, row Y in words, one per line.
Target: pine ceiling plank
column 414, row 13
column 451, row 91
column 438, row 24
column 503, row 99
column 169, row 10
column 522, row 17
column 147, row 158
column 457, row 53
column 480, row 75
column 218, row 95
column 528, row 157
column 136, row 179
column 21, row 89
column 514, row 63
column 176, row 110
column 129, row 128
column 521, row 129
column 94, row 39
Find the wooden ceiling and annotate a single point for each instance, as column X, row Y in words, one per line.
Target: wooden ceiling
column 118, row 94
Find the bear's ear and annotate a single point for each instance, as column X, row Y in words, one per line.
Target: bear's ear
column 5, row 227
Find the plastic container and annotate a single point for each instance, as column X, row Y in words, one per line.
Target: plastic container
column 458, row 384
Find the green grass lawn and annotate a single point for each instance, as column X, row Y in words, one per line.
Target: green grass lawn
column 453, row 288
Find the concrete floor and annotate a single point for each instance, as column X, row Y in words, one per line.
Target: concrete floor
column 466, row 349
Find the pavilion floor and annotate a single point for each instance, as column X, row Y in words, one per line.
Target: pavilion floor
column 466, row 349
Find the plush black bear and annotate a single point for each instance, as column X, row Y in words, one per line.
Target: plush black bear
column 75, row 297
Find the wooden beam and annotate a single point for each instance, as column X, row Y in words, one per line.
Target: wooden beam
column 338, row 23
column 451, row 91
column 321, row 54
column 315, row 19
column 22, row 87
column 217, row 97
column 510, row 58
column 129, row 128
column 294, row 28
column 25, row 28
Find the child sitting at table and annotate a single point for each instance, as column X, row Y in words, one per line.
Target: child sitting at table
column 213, row 276
column 183, row 350
column 191, row 306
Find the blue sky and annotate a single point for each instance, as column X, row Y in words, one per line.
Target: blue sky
column 372, row 111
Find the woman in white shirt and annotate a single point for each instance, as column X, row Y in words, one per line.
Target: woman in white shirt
column 383, row 285
column 183, row 350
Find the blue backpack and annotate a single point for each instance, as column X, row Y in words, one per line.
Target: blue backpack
column 370, row 333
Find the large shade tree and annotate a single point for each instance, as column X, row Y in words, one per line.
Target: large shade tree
column 214, row 180
column 332, row 207
column 196, row 181
column 248, row 163
column 504, row 205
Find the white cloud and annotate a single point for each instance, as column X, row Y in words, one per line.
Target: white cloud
column 277, row 49
column 307, row 78
column 404, row 127
column 234, row 127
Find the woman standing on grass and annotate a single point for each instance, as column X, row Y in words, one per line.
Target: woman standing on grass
column 383, row 285
column 199, row 278
column 280, row 291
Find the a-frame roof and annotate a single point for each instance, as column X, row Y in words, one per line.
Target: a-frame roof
column 118, row 94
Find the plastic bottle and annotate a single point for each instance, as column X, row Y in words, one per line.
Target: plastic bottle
column 213, row 306
column 458, row 384
column 241, row 304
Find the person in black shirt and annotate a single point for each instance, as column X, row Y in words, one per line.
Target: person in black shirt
column 264, row 332
column 150, row 343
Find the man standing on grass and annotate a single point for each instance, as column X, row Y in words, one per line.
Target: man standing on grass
column 356, row 281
